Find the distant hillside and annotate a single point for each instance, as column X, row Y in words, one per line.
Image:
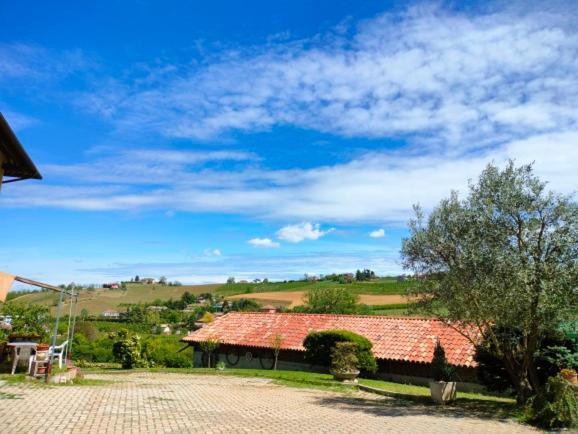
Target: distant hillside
column 99, row 300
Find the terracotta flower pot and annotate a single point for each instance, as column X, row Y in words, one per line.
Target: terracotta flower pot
column 350, row 376
column 571, row 377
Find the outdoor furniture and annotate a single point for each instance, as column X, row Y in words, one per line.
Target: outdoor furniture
column 58, row 352
column 20, row 350
column 38, row 363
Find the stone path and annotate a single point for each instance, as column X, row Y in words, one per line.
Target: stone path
column 178, row 403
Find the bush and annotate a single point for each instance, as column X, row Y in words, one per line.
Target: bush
column 343, row 358
column 127, row 350
column 164, row 351
column 555, row 406
column 319, row 344
column 441, row 370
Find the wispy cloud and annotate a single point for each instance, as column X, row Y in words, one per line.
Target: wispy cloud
column 434, row 75
column 33, row 63
column 376, row 187
column 266, row 243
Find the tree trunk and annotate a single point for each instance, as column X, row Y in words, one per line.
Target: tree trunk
column 520, row 379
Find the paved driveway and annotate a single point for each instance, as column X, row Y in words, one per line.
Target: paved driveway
column 175, row 403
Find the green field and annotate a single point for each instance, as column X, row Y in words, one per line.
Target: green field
column 99, row 300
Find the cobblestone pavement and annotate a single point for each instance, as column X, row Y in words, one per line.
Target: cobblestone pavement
column 176, row 403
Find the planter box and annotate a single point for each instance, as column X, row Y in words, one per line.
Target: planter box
column 442, row 391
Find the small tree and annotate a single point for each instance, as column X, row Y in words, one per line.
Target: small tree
column 208, row 347
column 163, row 280
column 504, row 257
column 440, row 368
column 230, row 280
column 276, row 343
column 84, row 314
column 331, row 300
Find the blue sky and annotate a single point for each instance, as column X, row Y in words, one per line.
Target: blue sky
column 200, row 140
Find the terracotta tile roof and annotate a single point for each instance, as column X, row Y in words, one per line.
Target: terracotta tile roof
column 393, row 338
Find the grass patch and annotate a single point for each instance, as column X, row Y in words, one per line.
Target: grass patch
column 475, row 404
column 7, row 395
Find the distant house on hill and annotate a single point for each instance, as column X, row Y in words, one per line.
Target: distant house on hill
column 147, row 280
column 156, row 308
column 165, row 329
column 113, row 285
column 403, row 346
column 112, row 314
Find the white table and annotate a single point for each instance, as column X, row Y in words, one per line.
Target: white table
column 17, row 349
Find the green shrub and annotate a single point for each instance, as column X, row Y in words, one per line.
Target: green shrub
column 441, row 370
column 127, row 350
column 165, row 351
column 319, row 344
column 555, row 406
column 343, row 358
column 28, row 319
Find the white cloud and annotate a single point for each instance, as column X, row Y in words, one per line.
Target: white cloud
column 378, row 233
column 265, row 243
column 300, row 232
column 212, row 252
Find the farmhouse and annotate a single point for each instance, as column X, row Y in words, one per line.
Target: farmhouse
column 403, row 346
column 112, row 314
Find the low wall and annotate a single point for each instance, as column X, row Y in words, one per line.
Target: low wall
column 263, row 358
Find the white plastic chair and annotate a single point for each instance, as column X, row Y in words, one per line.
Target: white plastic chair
column 57, row 352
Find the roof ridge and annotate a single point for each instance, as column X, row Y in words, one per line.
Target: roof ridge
column 416, row 318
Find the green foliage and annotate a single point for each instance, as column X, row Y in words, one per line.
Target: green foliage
column 505, row 255
column 343, row 358
column 209, row 346
column 318, row 347
column 331, row 300
column 166, row 352
column 364, row 275
column 87, row 329
column 127, row 350
column 441, row 370
column 555, row 406
column 554, row 352
column 245, row 305
column 28, row 319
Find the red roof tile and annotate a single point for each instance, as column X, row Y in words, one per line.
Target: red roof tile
column 393, row 338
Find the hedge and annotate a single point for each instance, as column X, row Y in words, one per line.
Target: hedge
column 319, row 344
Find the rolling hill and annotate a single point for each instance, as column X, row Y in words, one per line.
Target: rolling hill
column 98, row 300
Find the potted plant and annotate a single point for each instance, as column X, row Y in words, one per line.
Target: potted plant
column 344, row 363
column 569, row 375
column 443, row 386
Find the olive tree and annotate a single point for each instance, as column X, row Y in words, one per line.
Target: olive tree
column 503, row 257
